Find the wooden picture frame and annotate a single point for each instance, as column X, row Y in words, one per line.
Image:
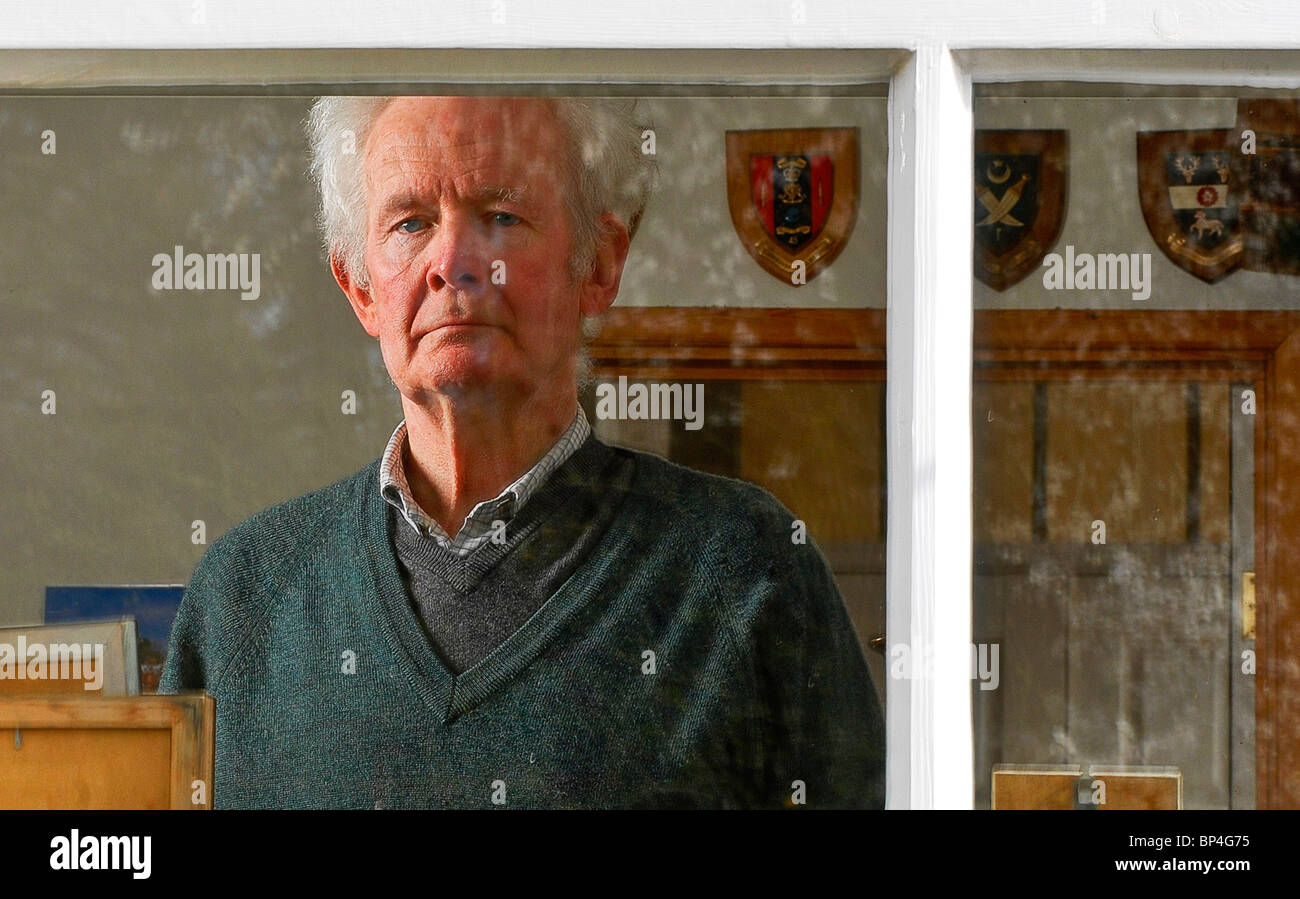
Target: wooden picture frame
column 118, row 667
column 1139, row 787
column 1062, row 787
column 132, row 752
column 707, row 343
column 1034, row 787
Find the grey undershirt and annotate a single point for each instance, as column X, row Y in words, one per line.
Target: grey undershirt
column 471, row 606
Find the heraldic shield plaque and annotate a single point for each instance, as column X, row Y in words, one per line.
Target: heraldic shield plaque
column 1020, row 179
column 1189, row 201
column 793, row 196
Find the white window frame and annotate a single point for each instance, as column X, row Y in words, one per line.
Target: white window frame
column 953, row 45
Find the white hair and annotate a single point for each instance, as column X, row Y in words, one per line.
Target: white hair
column 606, row 171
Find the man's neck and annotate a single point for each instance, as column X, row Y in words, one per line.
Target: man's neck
column 460, row 453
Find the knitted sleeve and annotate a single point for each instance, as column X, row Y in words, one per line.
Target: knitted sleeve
column 820, row 723
column 214, row 618
column 185, row 667
column 839, row 737
column 230, row 594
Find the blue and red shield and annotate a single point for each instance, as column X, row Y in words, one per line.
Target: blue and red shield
column 793, row 196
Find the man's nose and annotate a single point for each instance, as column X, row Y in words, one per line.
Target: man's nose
column 461, row 255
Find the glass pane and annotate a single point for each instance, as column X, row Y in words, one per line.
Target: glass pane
column 1114, row 651
column 1136, row 266
column 188, row 373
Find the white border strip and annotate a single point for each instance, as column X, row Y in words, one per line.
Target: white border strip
column 928, row 565
column 636, row 24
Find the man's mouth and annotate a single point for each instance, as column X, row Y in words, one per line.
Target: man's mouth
column 458, row 326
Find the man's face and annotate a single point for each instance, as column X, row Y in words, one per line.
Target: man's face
column 468, row 245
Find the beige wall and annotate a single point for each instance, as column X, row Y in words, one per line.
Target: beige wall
column 1102, row 210
column 689, row 254
column 185, row 405
column 196, row 405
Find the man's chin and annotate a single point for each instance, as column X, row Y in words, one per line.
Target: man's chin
column 456, row 377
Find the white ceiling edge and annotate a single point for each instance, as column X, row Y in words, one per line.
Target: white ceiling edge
column 1085, row 24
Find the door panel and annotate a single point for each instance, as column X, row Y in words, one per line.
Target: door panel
column 1112, row 602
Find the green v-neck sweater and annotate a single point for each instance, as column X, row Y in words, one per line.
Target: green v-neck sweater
column 700, row 656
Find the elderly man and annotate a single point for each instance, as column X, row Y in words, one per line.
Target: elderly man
column 501, row 609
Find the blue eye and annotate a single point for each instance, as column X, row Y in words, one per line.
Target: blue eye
column 509, row 218
column 402, row 226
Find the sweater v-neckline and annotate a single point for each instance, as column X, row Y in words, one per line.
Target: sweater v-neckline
column 447, row 694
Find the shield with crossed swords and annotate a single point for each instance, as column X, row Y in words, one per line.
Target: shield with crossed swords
column 793, row 196
column 1020, row 179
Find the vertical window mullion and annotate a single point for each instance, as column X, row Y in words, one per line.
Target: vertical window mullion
column 928, row 568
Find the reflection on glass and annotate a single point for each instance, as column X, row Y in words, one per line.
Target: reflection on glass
column 818, row 447
column 1135, row 266
column 1103, row 572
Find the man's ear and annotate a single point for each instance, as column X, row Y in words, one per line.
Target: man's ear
column 362, row 302
column 601, row 286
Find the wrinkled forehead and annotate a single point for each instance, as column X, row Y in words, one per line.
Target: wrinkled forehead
column 515, row 140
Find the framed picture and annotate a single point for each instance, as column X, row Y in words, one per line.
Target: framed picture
column 135, row 752
column 151, row 606
column 78, row 659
